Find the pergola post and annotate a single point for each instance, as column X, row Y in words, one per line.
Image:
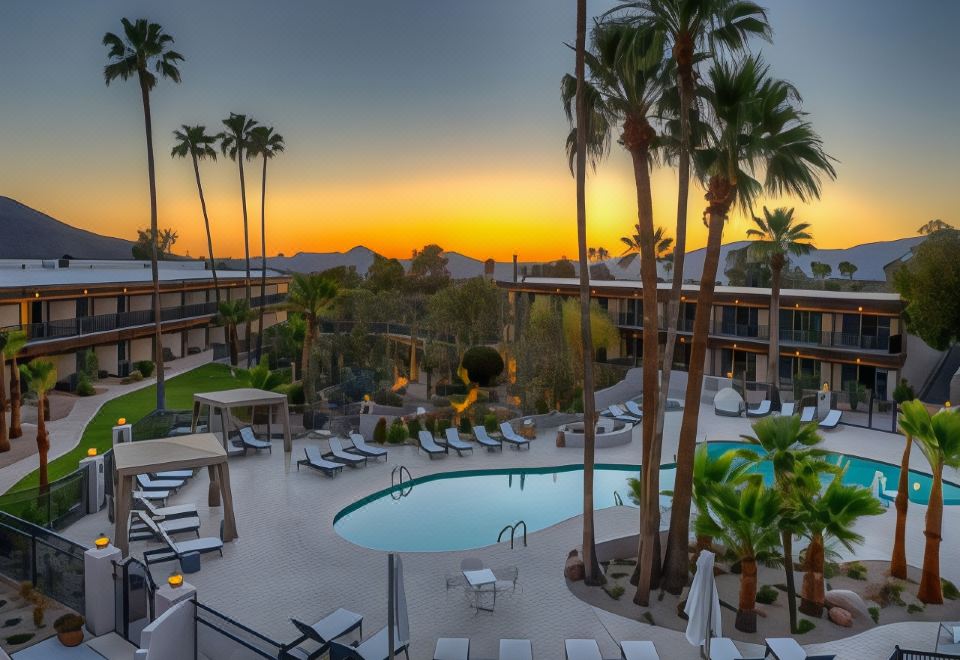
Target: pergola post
column 287, row 438
column 121, row 514
column 229, row 520
column 213, row 492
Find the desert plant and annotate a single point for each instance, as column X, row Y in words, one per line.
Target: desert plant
column 615, row 591
column 767, row 594
column 490, row 423
column 430, row 423
column 482, row 364
column 380, row 431
column 913, row 608
column 805, row 626
column 145, row 367
column 903, row 392
column 84, row 386
column 856, row 571
column 91, row 365
column 69, row 622
column 442, row 425
column 950, row 591
column 857, row 393
column 465, row 426
column 135, row 376
column 874, row 613
column 413, row 428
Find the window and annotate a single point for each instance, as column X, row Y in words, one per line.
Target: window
column 738, row 321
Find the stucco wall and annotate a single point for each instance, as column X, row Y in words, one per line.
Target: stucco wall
column 9, row 315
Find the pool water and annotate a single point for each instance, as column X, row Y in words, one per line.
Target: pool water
column 468, row 509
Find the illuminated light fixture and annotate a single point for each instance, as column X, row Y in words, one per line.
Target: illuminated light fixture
column 124, row 289
column 797, row 305
column 683, row 340
column 175, row 580
column 826, row 387
column 916, row 485
column 734, row 345
column 121, row 421
column 729, row 374
column 797, row 353
column 946, row 404
column 858, row 360
column 84, row 292
column 101, row 542
column 92, row 451
column 683, row 298
column 36, row 294
column 859, row 309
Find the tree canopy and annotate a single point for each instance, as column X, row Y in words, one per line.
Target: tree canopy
column 930, row 283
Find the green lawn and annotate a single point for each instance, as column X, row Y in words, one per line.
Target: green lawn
column 134, row 406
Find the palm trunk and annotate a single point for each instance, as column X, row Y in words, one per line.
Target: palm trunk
column 898, row 560
column 43, row 443
column 786, row 540
column 16, row 399
column 676, row 562
column 305, row 361
column 747, row 607
column 931, row 589
column 246, row 245
column 263, row 258
column 591, row 565
column 812, row 596
column 154, row 269
column 773, row 356
column 206, row 224
column 4, row 438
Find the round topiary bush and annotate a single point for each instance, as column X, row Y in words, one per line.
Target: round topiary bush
column 483, row 365
column 413, row 428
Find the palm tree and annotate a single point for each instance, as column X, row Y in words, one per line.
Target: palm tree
column 4, row 439
column 758, row 131
column 847, row 268
column 602, row 254
column 230, row 314
column 661, row 244
column 933, row 227
column 626, row 75
column 744, row 520
column 11, row 343
column 235, row 142
column 309, row 296
column 820, row 270
column 776, row 236
column 898, row 557
column 145, row 46
column 266, row 144
column 41, row 376
column 728, row 468
column 830, row 515
column 195, row 142
column 939, row 439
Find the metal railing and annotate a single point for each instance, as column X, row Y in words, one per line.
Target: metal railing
column 216, row 630
column 396, row 479
column 905, row 654
column 61, row 503
column 513, row 529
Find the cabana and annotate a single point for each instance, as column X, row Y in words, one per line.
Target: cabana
column 219, row 405
column 180, row 453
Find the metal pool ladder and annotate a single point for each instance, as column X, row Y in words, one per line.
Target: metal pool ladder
column 395, row 481
column 513, row 531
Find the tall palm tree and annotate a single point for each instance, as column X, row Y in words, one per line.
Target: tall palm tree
column 776, row 236
column 309, row 296
column 939, row 439
column 235, row 141
column 13, row 343
column 198, row 144
column 661, row 244
column 265, row 143
column 145, row 46
column 231, row 314
column 898, row 557
column 626, row 76
column 760, row 141
column 4, row 438
column 41, row 376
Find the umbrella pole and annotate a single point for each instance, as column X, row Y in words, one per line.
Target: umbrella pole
column 390, row 609
column 705, row 649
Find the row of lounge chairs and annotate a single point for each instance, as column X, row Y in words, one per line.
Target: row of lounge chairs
column 631, row 415
column 337, row 624
column 452, row 440
column 779, row 648
column 807, row 415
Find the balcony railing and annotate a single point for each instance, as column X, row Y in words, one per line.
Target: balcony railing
column 86, row 325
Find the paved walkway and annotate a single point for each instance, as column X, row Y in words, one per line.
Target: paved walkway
column 65, row 433
column 290, row 562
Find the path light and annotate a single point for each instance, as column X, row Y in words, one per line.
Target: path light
column 92, row 451
column 101, row 542
column 175, row 580
column 826, row 387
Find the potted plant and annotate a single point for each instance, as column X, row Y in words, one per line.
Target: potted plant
column 69, row 629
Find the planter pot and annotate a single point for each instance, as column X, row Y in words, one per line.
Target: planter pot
column 71, row 637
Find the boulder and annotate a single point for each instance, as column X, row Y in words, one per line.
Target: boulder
column 573, row 569
column 847, row 600
column 840, row 616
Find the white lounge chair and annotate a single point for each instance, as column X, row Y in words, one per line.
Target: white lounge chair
column 341, row 456
column 454, row 442
column 633, row 408
column 809, row 412
column 314, row 459
column 786, row 410
column 146, row 483
column 516, row 649
column 173, row 474
column 831, row 420
column 361, row 447
column 509, row 435
column 480, row 433
column 429, row 445
column 723, row 648
column 250, row 441
column 581, row 649
column 621, row 415
column 787, row 648
column 336, row 624
column 642, row 650
column 139, row 531
column 452, row 648
column 760, row 411
column 175, row 549
column 374, row 647
column 166, row 512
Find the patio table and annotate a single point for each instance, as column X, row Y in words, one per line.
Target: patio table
column 477, row 580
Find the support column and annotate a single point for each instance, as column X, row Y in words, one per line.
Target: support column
column 167, row 596
column 98, row 589
column 121, row 517
column 213, row 492
column 229, row 520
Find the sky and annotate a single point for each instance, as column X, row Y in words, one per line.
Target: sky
column 426, row 121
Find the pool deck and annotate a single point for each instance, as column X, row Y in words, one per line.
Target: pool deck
column 289, row 562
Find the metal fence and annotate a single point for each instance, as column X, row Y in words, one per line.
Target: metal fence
column 52, row 563
column 63, row 502
column 219, row 636
column 905, row 654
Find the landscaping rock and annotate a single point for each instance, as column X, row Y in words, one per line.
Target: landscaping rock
column 849, row 601
column 840, row 616
column 573, row 570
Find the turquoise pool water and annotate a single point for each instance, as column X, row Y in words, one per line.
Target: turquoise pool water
column 463, row 510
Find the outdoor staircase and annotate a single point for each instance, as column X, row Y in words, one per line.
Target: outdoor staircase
column 937, row 387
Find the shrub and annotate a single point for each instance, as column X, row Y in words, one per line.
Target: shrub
column 135, row 376
column 413, row 428
column 490, row 423
column 380, row 431
column 442, row 425
column 465, row 424
column 483, row 365
column 831, row 569
column 294, row 392
column 84, row 386
column 615, row 591
column 805, row 626
column 857, row 393
column 430, row 423
column 19, row 638
column 950, row 591
column 541, row 407
column 874, row 613
column 145, row 367
column 388, row 398
column 891, row 593
column 914, row 608
column 903, row 392
column 69, row 622
column 856, row 571
column 91, row 365
column 397, row 433
column 767, row 594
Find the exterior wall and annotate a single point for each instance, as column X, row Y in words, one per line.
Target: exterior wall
column 104, row 305
column 195, row 297
column 141, row 349
column 9, row 315
column 921, row 360
column 217, row 335
column 65, row 364
column 107, row 357
column 174, row 342
column 138, row 303
column 196, row 338
column 61, row 309
column 169, row 300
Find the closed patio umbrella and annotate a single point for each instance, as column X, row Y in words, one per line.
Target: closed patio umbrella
column 703, row 605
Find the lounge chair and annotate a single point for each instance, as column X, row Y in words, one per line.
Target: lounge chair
column 760, row 411
column 152, row 495
column 174, row 549
column 361, row 447
column 429, row 445
column 633, row 408
column 372, row 648
column 643, row 650
column 146, row 483
column 166, row 512
column 509, row 435
column 139, row 531
column 455, row 443
column 880, row 483
column 581, row 649
column 250, row 441
column 341, row 456
column 620, row 414
column 173, row 474
column 480, row 433
column 452, row 648
column 787, row 648
column 516, row 649
column 809, row 412
column 723, row 648
column 831, row 420
column 786, row 410
column 336, row 624
column 314, row 459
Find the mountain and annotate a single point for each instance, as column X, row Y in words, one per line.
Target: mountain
column 312, row 262
column 30, row 234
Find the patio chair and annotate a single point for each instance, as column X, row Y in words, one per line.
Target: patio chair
column 633, row 408
column 374, row 647
column 166, row 512
column 173, row 474
column 621, row 415
column 139, row 531
column 152, row 495
column 723, row 648
column 787, row 648
column 361, row 447
column 786, row 410
column 516, row 649
column 250, row 441
column 466, row 564
column 581, row 649
column 455, row 443
column 480, row 433
column 146, row 483
column 341, row 456
column 760, row 411
column 809, row 412
column 511, row 436
column 506, row 579
column 452, row 648
column 429, row 445
column 314, row 459
column 174, row 549
column 831, row 420
column 642, row 650
column 334, row 625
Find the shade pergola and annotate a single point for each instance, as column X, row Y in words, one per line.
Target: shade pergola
column 180, row 453
column 247, row 397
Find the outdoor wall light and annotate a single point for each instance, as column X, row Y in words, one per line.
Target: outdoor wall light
column 826, row 387
column 858, row 360
column 84, row 292
column 175, row 580
column 797, row 353
column 36, row 294
column 92, row 451
column 101, row 542
column 859, row 309
column 729, row 374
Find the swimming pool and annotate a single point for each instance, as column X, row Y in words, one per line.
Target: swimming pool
column 467, row 509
